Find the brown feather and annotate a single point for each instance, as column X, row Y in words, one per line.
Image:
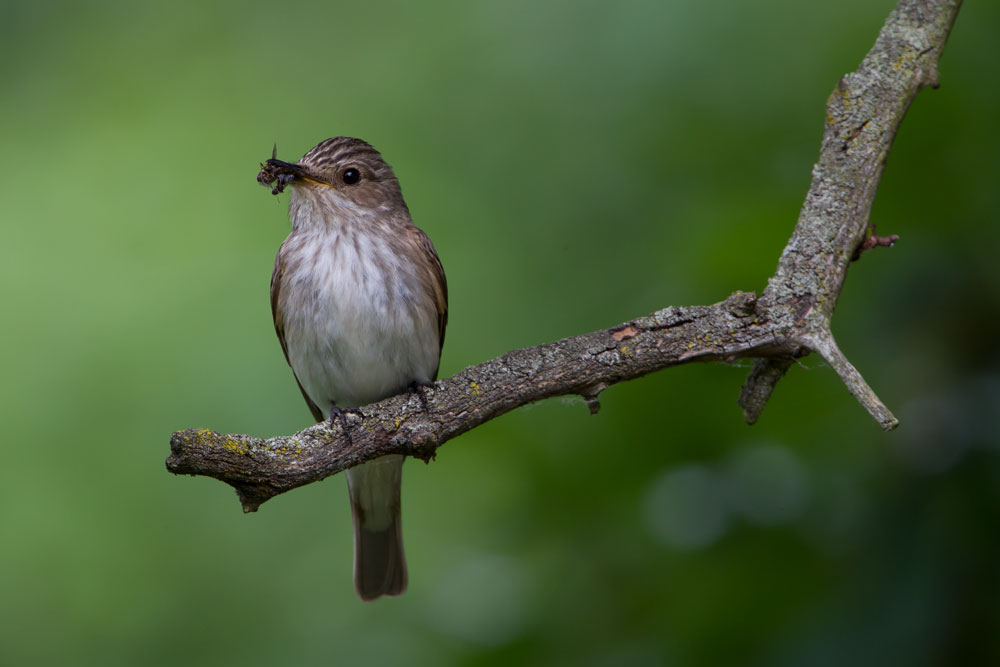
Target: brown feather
column 279, row 328
column 436, row 279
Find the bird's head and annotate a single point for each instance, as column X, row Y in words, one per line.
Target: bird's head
column 346, row 172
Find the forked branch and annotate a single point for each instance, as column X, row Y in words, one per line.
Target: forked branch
column 789, row 319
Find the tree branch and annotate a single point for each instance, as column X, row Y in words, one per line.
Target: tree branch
column 790, row 319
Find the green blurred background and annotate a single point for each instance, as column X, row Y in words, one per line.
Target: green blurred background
column 577, row 165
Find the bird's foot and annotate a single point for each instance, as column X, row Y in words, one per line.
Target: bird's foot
column 418, row 389
column 337, row 416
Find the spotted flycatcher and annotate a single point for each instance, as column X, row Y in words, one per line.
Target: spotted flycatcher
column 360, row 305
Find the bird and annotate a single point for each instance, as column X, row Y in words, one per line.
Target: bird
column 360, row 305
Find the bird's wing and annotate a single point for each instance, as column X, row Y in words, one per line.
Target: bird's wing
column 437, row 281
column 279, row 328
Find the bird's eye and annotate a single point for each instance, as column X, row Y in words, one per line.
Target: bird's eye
column 350, row 176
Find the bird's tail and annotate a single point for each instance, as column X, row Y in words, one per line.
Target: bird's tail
column 379, row 564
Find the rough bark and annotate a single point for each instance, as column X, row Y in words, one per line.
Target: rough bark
column 790, row 318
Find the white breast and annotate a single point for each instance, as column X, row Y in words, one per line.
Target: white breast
column 357, row 326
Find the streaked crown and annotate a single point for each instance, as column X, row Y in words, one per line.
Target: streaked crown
column 356, row 171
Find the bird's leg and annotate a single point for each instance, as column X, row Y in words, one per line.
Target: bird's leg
column 418, row 389
column 337, row 415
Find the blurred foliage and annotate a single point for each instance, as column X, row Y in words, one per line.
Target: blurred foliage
column 577, row 164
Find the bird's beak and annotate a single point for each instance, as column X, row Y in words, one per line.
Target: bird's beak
column 276, row 174
column 282, row 167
